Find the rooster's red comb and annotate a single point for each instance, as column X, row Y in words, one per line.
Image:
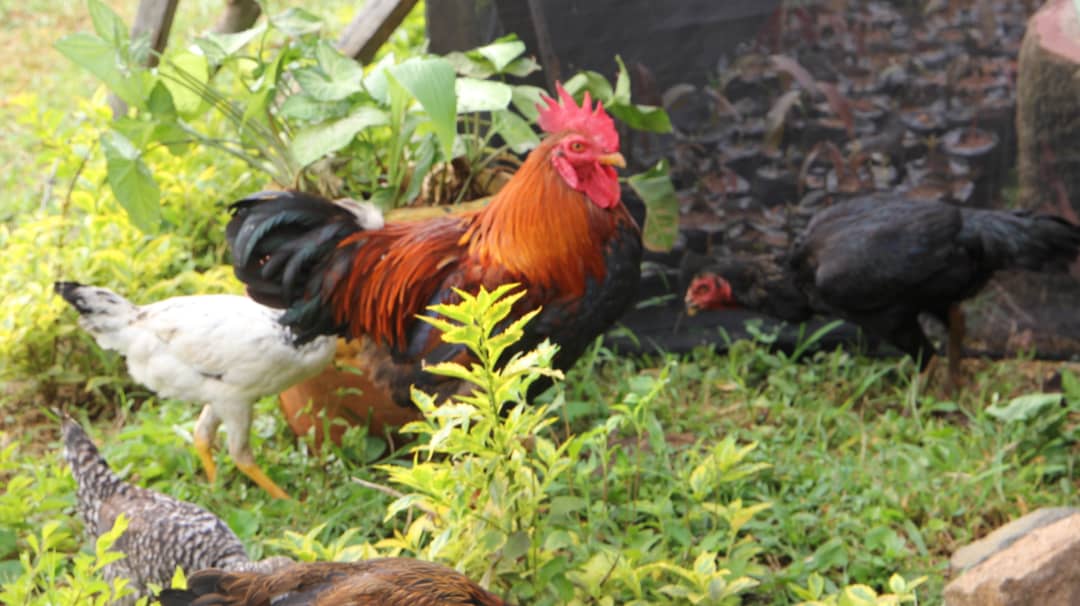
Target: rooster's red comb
column 567, row 115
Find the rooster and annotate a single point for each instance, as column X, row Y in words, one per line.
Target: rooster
column 558, row 228
column 378, row 582
column 879, row 261
column 162, row 532
column 225, row 351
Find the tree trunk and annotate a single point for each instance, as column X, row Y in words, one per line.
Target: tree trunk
column 372, row 26
column 239, row 15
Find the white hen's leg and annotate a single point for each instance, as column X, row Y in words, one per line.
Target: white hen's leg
column 238, row 423
column 205, row 429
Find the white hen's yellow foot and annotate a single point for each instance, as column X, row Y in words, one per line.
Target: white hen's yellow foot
column 257, row 475
column 206, row 454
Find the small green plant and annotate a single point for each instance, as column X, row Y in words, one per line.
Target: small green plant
column 508, row 501
column 46, row 581
column 901, row 590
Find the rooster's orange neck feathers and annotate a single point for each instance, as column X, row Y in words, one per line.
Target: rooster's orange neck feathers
column 541, row 230
column 536, row 230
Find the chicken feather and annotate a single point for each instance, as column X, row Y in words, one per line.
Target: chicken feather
column 163, row 533
column 557, row 228
column 224, row 351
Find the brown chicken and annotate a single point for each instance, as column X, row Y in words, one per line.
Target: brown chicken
column 379, row 582
column 558, row 228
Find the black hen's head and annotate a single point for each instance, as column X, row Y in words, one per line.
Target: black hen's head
column 709, row 291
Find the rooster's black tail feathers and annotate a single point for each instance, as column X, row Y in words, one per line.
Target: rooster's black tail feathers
column 282, row 244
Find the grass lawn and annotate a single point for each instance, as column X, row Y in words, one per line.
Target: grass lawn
column 865, row 473
column 859, row 471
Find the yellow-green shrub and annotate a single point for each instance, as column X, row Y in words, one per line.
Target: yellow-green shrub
column 81, row 233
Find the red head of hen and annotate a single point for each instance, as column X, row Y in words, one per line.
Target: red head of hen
column 709, row 291
column 587, row 150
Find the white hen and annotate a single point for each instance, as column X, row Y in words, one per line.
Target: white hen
column 225, row 351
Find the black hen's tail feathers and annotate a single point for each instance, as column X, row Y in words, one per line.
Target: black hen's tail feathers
column 283, row 244
column 1022, row 239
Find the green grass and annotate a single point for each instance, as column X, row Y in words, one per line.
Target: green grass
column 866, row 474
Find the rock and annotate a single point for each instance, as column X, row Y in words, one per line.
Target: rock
column 1040, row 568
column 1046, row 128
column 974, row 553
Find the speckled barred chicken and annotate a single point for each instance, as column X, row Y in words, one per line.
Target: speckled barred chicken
column 162, row 532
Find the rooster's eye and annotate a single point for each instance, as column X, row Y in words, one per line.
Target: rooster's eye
column 577, row 147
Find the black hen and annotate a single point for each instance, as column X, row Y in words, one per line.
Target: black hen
column 879, row 261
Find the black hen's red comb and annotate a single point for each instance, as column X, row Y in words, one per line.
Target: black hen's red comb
column 567, row 115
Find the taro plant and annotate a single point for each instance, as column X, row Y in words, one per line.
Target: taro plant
column 283, row 100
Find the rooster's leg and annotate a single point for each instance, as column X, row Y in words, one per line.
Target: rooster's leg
column 205, row 428
column 956, row 345
column 238, row 424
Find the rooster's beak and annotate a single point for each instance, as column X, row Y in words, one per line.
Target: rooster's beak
column 691, row 309
column 613, row 159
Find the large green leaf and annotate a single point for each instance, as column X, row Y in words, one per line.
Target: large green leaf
column 642, row 117
column 655, row 188
column 1070, row 385
column 621, row 94
column 108, row 25
column 1024, row 408
column 591, row 81
column 170, row 134
column 431, row 82
column 481, row 95
column 160, row 103
column 315, row 142
column 337, row 67
column 470, row 65
column 501, row 54
column 515, row 131
column 526, row 98
column 186, row 87
column 296, row 22
column 320, row 87
column 131, row 182
column 102, row 60
column 219, row 47
column 522, row 67
column 375, row 82
column 301, row 106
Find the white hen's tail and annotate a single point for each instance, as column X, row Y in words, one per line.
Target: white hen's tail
column 104, row 314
